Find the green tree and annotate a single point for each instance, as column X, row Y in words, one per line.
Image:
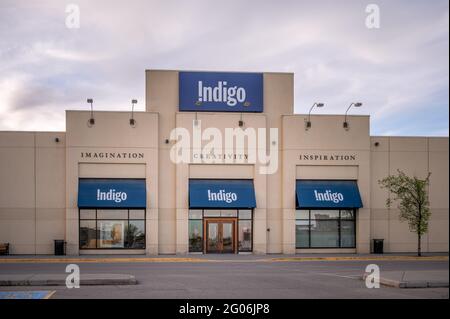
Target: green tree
column 411, row 194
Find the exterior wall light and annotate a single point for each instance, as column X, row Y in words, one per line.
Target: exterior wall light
column 241, row 122
column 196, row 120
column 132, row 120
column 355, row 104
column 91, row 121
column 308, row 123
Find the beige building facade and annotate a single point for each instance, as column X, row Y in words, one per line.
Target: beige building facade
column 44, row 177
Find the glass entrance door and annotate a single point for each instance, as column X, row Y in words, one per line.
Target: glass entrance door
column 220, row 236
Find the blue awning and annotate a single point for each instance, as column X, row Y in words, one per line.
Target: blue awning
column 328, row 194
column 111, row 193
column 221, row 193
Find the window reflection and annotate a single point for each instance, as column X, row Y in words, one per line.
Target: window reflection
column 324, row 214
column 135, row 234
column 88, row 234
column 302, row 214
column 228, row 213
column 302, row 233
column 245, row 235
column 245, row 214
column 348, row 233
column 112, row 229
column 112, row 214
column 211, row 213
column 195, row 235
column 137, row 214
column 325, row 233
column 195, row 214
column 347, row 214
column 111, row 234
column 87, row 213
column 325, row 229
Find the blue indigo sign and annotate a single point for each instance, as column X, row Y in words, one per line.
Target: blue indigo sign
column 220, row 92
column 108, row 193
column 328, row 194
column 218, row 193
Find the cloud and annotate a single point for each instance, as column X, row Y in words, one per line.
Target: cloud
column 397, row 71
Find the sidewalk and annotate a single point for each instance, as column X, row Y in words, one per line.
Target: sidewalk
column 193, row 258
column 414, row 279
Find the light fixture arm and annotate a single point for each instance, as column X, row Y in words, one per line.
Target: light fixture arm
column 309, row 113
column 91, row 102
column 347, row 111
column 92, row 108
column 132, row 120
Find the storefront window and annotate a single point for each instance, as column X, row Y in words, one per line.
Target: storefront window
column 302, row 214
column 228, row 213
column 112, row 229
column 245, row 230
column 245, row 214
column 245, row 235
column 88, row 235
column 324, row 214
column 348, row 233
column 211, row 213
column 325, row 229
column 347, row 214
column 112, row 233
column 87, row 214
column 195, row 235
column 324, row 234
column 135, row 234
column 137, row 214
column 195, row 214
column 112, row 214
column 302, row 233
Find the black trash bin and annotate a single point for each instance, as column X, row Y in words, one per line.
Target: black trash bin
column 60, row 247
column 378, row 246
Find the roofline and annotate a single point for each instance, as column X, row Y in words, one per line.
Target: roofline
column 331, row 114
column 407, row 136
column 211, row 71
column 32, row 132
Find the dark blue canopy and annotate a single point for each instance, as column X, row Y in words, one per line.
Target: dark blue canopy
column 328, row 194
column 221, row 193
column 111, row 193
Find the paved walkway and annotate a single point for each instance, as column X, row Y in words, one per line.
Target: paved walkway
column 194, row 258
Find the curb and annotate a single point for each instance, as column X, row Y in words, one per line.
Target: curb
column 60, row 280
column 411, row 284
column 386, row 258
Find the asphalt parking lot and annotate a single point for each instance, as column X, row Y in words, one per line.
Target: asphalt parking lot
column 236, row 278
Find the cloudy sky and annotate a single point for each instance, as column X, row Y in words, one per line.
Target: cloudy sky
column 400, row 71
